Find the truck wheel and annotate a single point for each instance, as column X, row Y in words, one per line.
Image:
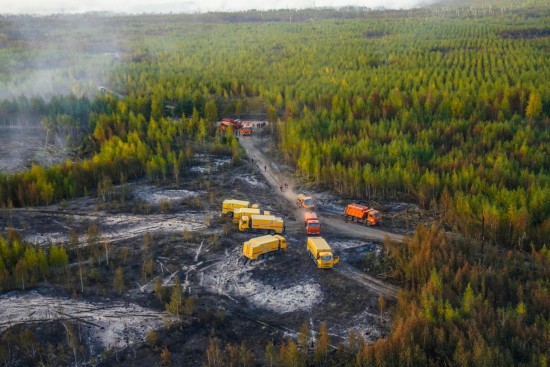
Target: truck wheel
column 230, row 214
column 266, row 231
column 272, row 232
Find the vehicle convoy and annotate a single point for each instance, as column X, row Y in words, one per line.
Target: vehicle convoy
column 321, row 253
column 313, row 226
column 256, row 247
column 229, row 206
column 246, row 129
column 362, row 214
column 304, row 201
column 239, row 212
column 261, row 223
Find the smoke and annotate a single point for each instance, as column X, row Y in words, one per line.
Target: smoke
column 55, row 58
column 47, row 56
column 172, row 6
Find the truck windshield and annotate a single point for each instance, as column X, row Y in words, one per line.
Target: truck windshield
column 308, row 202
column 326, row 257
column 313, row 225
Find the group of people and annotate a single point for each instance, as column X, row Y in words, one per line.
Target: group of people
column 281, row 187
column 260, row 124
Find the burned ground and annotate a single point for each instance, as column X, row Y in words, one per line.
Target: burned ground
column 22, row 146
column 234, row 301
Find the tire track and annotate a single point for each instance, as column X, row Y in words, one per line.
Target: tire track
column 276, row 179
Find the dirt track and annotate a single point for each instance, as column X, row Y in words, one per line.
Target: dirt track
column 277, row 178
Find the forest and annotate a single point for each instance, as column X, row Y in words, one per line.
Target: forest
column 447, row 107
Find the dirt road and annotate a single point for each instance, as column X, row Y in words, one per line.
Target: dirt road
column 277, row 179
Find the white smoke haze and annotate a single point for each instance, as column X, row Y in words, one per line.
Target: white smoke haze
column 58, row 61
column 170, row 6
column 44, row 76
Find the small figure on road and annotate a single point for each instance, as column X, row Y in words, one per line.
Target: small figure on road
column 281, row 188
column 286, row 185
column 265, row 168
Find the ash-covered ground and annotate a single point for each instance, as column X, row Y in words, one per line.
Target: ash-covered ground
column 235, row 301
column 22, row 146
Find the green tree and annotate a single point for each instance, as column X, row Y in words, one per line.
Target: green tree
column 211, row 111
column 58, row 259
column 534, row 106
column 467, row 299
column 176, row 298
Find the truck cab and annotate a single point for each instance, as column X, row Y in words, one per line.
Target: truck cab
column 312, row 224
column 327, row 260
column 246, row 130
column 304, row 201
column 321, row 253
column 244, row 223
column 373, row 217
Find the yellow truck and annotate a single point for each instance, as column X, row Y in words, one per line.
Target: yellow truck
column 229, row 205
column 239, row 212
column 267, row 224
column 256, row 247
column 304, row 201
column 321, row 253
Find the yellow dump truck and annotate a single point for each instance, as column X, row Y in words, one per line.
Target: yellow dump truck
column 229, row 206
column 256, row 247
column 239, row 212
column 321, row 253
column 267, row 224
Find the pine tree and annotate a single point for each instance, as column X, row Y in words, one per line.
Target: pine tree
column 534, row 106
column 157, row 288
column 303, row 337
column 322, row 345
column 176, row 299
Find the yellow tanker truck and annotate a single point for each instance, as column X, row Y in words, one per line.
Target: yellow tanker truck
column 321, row 253
column 267, row 224
column 229, row 205
column 256, row 247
